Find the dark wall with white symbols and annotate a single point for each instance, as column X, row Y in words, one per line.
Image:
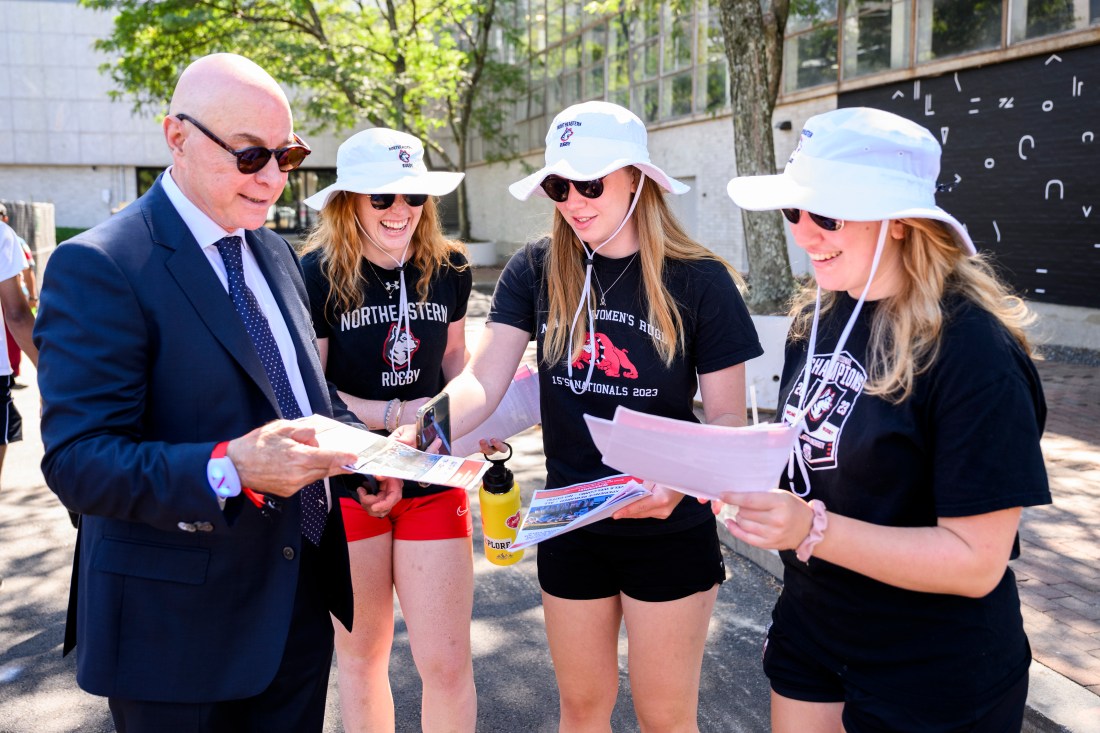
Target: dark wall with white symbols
column 1022, row 140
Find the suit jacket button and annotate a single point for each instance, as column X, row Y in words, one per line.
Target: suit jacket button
column 186, row 526
column 288, row 553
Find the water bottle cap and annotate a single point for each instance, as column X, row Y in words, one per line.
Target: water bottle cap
column 498, row 479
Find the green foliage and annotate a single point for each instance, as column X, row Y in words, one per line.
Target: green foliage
column 65, row 233
column 415, row 66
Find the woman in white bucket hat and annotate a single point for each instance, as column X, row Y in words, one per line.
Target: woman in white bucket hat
column 626, row 310
column 920, row 444
column 388, row 296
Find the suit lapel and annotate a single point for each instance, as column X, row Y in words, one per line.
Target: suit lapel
column 189, row 267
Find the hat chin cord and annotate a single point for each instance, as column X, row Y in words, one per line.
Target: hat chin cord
column 587, row 290
column 804, row 405
column 403, row 298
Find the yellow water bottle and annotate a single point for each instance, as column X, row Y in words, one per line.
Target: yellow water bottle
column 500, row 511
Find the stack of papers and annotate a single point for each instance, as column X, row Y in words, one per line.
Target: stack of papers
column 700, row 460
column 379, row 456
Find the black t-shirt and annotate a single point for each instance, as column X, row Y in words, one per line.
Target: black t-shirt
column 966, row 442
column 367, row 355
column 628, row 370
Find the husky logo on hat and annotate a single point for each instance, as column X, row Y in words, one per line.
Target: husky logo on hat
column 801, row 138
column 567, row 134
column 404, row 156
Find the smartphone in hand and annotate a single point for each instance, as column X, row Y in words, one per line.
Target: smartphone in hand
column 433, row 420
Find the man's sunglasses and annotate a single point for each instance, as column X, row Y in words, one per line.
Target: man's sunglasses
column 829, row 225
column 557, row 188
column 252, row 159
column 383, row 201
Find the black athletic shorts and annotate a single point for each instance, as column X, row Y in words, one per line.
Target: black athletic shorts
column 798, row 676
column 582, row 565
column 12, row 429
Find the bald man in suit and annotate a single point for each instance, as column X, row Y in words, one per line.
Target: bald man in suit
column 198, row 603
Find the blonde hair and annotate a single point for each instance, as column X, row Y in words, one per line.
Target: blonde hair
column 907, row 327
column 660, row 237
column 337, row 236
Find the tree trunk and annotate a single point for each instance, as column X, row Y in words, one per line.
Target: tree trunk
column 753, row 49
column 463, row 200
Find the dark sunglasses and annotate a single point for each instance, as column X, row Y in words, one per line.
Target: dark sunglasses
column 829, row 225
column 557, row 188
column 252, row 159
column 383, row 201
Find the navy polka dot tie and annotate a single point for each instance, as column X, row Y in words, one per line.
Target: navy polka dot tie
column 314, row 504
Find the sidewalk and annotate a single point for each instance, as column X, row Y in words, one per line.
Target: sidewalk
column 1059, row 567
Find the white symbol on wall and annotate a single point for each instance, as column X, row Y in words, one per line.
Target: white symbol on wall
column 1053, row 57
column 1006, row 102
column 958, row 86
column 1048, row 105
column 1061, row 189
column 1086, row 210
column 928, row 111
column 1028, row 139
column 1077, row 87
column 989, row 163
column 997, row 230
column 975, row 100
column 943, row 134
column 1086, row 137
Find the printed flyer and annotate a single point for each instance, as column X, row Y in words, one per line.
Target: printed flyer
column 556, row 511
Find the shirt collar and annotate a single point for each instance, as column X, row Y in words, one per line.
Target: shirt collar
column 204, row 229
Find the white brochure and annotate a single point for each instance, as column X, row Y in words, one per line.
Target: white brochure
column 380, row 456
column 699, row 460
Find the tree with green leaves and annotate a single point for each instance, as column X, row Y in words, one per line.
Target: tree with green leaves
column 425, row 67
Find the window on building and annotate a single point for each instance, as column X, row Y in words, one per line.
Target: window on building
column 1037, row 18
column 810, row 49
column 714, row 73
column 875, row 36
column 954, row 27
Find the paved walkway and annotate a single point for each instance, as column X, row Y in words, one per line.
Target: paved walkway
column 1059, row 567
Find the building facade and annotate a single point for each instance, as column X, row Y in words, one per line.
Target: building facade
column 1012, row 89
column 63, row 140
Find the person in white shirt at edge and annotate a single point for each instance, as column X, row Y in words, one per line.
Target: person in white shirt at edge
column 626, row 309
column 19, row 319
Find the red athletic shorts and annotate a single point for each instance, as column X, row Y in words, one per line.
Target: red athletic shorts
column 441, row 516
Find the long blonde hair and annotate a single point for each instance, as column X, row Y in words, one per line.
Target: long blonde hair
column 337, row 236
column 906, row 328
column 660, row 237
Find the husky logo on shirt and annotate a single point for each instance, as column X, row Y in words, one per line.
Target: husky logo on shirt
column 820, row 441
column 400, row 347
column 610, row 359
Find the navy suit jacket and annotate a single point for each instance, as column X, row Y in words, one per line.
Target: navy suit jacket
column 145, row 366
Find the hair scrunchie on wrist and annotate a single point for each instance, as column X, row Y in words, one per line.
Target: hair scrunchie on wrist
column 817, row 531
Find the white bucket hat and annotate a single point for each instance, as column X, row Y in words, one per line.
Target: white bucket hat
column 858, row 164
column 381, row 160
column 589, row 140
